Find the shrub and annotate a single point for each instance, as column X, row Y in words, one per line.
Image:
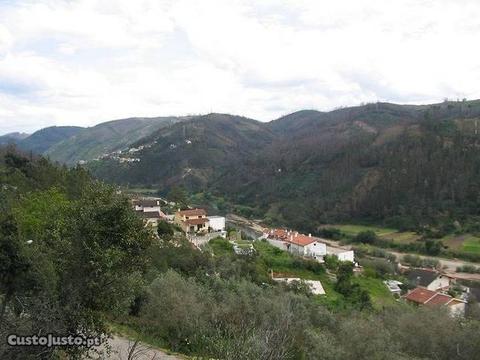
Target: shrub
column 365, row 237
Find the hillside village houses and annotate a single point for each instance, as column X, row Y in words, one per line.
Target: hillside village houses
column 428, row 279
column 192, row 220
column 422, row 296
column 149, row 210
column 304, row 245
column 196, row 222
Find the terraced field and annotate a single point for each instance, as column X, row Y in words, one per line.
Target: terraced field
column 467, row 243
column 386, row 233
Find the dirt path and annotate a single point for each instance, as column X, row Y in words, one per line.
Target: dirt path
column 122, row 348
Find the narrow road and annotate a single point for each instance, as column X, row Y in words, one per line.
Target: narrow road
column 125, row 349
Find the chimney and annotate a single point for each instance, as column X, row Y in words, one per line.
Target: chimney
column 309, row 235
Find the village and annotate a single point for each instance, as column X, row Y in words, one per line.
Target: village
column 418, row 286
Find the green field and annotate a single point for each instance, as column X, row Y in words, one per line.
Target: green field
column 471, row 245
column 353, row 230
column 378, row 291
column 467, row 243
column 383, row 232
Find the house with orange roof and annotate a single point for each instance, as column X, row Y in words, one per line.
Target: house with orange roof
column 423, row 296
column 306, row 245
column 296, row 243
column 192, row 221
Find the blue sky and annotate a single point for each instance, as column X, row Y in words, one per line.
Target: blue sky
column 82, row 62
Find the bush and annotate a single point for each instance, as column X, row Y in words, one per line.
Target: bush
column 365, row 237
column 378, row 267
column 331, row 233
column 469, row 269
column 417, row 261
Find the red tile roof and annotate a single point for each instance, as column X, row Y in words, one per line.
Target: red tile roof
column 302, row 240
column 440, row 299
column 192, row 212
column 196, row 221
column 428, row 297
column 420, row 295
column 292, row 237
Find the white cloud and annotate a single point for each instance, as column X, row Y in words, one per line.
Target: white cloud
column 86, row 61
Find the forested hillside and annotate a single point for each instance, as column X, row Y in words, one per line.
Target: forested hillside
column 401, row 164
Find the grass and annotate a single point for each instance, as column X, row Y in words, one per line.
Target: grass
column 471, row 245
column 465, row 243
column 353, row 230
column 378, row 291
column 221, row 247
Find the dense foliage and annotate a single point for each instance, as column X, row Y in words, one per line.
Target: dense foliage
column 71, row 249
column 224, row 307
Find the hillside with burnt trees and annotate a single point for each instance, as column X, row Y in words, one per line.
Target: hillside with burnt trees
column 400, row 164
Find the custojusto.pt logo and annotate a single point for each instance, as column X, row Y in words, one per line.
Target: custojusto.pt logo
column 52, row 340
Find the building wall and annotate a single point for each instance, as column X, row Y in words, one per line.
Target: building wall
column 297, row 249
column 278, row 243
column 346, row 256
column 316, row 249
column 151, row 208
column 217, row 223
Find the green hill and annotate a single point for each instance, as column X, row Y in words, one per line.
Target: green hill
column 42, row 140
column 12, row 138
column 104, row 138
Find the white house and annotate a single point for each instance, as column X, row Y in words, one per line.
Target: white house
column 216, row 223
column 428, row 279
column 296, row 243
column 306, row 245
column 146, row 205
column 277, row 238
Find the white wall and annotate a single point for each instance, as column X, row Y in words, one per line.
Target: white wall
column 147, row 208
column 316, row 249
column 346, row 256
column 278, row 243
column 151, row 208
column 217, row 223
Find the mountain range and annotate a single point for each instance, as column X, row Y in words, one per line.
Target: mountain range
column 405, row 164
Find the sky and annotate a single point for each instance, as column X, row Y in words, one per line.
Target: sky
column 83, row 62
